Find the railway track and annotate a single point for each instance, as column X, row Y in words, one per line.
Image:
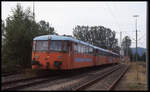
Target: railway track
column 75, row 81
column 105, row 81
column 17, row 84
column 10, row 73
column 32, row 82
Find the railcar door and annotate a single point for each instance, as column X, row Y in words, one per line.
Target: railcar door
column 71, row 55
column 95, row 57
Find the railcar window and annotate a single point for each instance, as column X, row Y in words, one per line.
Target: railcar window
column 56, row 45
column 42, row 45
column 96, row 52
column 99, row 53
column 102, row 53
column 90, row 50
column 111, row 54
column 108, row 54
column 79, row 48
column 105, row 54
column 87, row 49
column 84, row 49
column 65, row 46
column 33, row 47
column 76, row 47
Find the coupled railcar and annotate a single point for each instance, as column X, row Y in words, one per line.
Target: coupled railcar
column 66, row 53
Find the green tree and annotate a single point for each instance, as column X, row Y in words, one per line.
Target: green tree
column 19, row 32
column 2, row 31
column 126, row 43
column 44, row 28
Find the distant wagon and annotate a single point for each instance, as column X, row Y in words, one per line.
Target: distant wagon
column 66, row 53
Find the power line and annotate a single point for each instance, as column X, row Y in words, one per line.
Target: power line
column 114, row 17
column 142, row 37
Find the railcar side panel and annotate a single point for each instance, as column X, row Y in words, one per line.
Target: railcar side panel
column 81, row 60
column 100, row 60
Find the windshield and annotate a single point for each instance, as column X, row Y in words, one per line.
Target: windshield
column 58, row 46
column 42, row 45
column 54, row 45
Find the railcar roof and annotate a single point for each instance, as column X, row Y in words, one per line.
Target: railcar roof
column 58, row 37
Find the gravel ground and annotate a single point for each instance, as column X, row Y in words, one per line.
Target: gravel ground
column 57, row 84
column 129, row 80
column 64, row 83
column 13, row 77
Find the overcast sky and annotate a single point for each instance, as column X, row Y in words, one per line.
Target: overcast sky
column 64, row 16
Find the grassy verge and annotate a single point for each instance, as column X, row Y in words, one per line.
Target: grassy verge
column 136, row 77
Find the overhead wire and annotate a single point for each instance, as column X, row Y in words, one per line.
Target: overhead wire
column 117, row 23
column 114, row 18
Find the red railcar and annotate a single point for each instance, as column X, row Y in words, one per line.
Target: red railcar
column 65, row 53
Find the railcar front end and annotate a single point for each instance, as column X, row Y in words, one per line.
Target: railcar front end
column 50, row 54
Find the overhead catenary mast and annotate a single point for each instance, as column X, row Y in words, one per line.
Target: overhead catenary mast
column 136, row 41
